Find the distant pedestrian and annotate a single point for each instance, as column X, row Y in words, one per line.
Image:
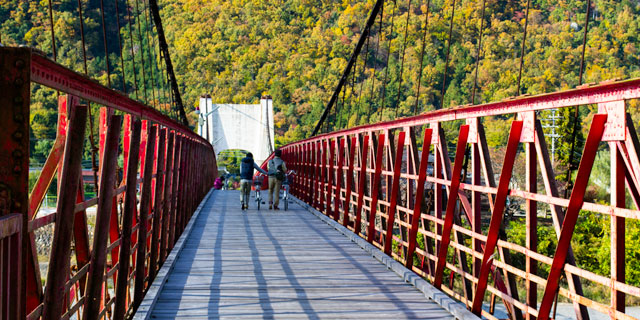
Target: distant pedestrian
column 218, row 183
column 277, row 171
column 246, row 176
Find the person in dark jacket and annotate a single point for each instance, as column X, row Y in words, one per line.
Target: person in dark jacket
column 246, row 175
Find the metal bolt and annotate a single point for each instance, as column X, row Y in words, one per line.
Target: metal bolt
column 19, row 64
column 17, row 135
column 18, row 204
column 18, row 100
column 17, row 117
column 17, row 169
column 17, row 153
column 18, row 82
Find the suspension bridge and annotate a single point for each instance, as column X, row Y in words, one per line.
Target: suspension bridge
column 392, row 219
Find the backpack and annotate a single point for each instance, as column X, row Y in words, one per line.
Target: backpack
column 279, row 174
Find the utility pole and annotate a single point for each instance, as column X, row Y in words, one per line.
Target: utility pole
column 549, row 122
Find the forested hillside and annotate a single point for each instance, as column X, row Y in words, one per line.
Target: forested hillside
column 296, row 51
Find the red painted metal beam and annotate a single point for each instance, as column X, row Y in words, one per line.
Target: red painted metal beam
column 105, row 208
column 174, row 192
column 11, row 234
column 158, row 204
column 15, row 101
column 330, row 177
column 339, row 175
column 497, row 214
column 49, row 170
column 71, row 173
column 364, row 154
column 617, row 229
column 349, row 182
column 607, row 91
column 145, row 205
column 323, row 166
column 419, row 198
column 56, row 76
column 571, row 216
column 451, row 204
column 374, row 190
column 168, row 195
column 395, row 187
column 132, row 143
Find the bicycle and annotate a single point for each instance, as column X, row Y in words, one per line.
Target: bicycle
column 257, row 185
column 285, row 187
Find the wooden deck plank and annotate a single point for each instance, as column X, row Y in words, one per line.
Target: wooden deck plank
column 281, row 265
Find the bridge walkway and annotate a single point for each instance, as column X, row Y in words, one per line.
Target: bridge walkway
column 279, row 265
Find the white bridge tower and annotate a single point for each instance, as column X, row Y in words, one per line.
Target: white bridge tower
column 238, row 126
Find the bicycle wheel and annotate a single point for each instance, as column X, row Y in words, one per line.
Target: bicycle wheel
column 258, row 200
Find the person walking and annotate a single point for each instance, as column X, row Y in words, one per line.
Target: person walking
column 246, row 176
column 217, row 184
column 277, row 169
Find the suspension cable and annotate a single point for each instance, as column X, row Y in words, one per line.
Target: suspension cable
column 84, row 46
column 153, row 5
column 424, row 44
column 353, row 92
column 344, row 93
column 446, row 64
column 524, row 42
column 94, row 166
column 364, row 72
column 375, row 58
column 575, row 109
column 133, row 54
column 345, row 74
column 151, row 60
column 155, row 56
column 386, row 67
column 144, row 78
column 53, row 33
column 124, row 77
column 404, row 50
column 106, row 48
column 162, row 76
column 478, row 52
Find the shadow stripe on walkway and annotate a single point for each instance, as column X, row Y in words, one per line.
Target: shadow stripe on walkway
column 278, row 265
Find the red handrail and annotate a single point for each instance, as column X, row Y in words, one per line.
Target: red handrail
column 161, row 156
column 395, row 217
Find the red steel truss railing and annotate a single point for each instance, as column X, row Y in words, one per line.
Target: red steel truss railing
column 115, row 261
column 374, row 178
